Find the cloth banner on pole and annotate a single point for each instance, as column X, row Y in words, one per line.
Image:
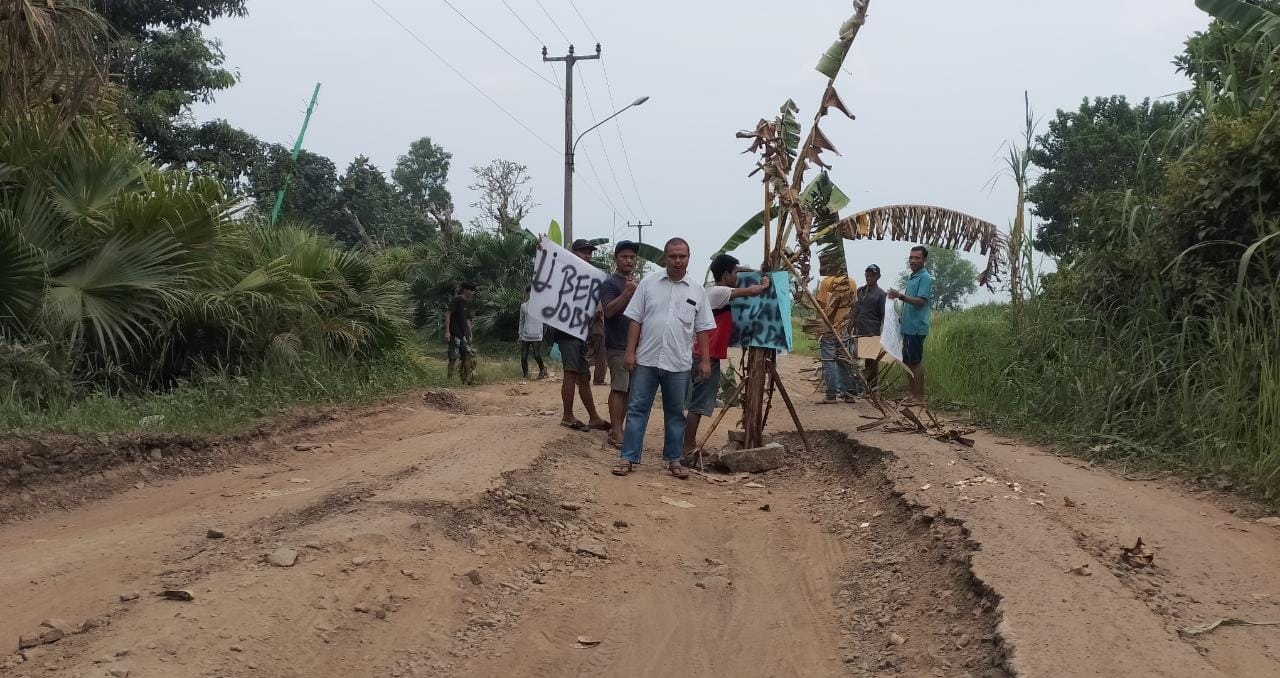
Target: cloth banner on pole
column 566, row 289
column 891, row 331
column 763, row 321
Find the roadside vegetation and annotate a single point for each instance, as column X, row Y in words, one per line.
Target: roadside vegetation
column 143, row 283
column 1157, row 341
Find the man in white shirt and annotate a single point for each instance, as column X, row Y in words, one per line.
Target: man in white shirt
column 531, row 331
column 667, row 311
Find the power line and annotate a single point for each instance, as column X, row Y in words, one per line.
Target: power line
column 622, row 142
column 553, row 21
column 539, row 40
column 465, row 79
column 497, row 44
column 608, row 161
column 617, row 123
column 484, row 94
column 584, row 21
column 605, row 193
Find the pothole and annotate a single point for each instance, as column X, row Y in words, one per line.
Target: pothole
column 909, row 602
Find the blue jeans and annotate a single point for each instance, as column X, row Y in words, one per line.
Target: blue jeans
column 645, row 382
column 835, row 373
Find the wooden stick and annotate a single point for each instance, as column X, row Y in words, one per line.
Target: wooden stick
column 737, row 392
column 791, row 408
column 841, row 350
column 768, row 403
column 768, row 203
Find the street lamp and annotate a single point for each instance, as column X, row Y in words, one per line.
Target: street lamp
column 568, row 169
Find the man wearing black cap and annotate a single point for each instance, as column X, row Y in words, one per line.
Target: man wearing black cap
column 868, row 318
column 577, row 371
column 615, row 294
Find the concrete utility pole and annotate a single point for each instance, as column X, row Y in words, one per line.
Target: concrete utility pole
column 569, row 60
column 639, row 230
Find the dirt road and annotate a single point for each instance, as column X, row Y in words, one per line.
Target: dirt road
column 467, row 534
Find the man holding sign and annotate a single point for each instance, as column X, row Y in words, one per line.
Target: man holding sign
column 702, row 402
column 566, row 294
column 667, row 311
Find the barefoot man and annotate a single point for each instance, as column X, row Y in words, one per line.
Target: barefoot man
column 577, row 372
column 915, row 318
column 667, row 311
column 615, row 294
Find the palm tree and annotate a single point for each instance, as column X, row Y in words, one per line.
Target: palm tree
column 52, row 52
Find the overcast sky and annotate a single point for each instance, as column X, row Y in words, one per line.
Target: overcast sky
column 936, row 86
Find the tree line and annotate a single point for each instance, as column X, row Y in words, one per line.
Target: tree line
column 135, row 245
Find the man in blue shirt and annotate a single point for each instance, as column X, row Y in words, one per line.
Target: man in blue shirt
column 916, row 301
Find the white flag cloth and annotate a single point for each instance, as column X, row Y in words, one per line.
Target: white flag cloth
column 891, row 332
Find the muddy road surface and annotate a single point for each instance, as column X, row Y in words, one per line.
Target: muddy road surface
column 467, row 534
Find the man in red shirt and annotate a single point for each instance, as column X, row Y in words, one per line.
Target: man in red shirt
column 724, row 271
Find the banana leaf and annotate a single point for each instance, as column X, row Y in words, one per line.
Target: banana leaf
column 831, row 60
column 753, row 226
column 929, row 225
column 651, row 254
column 790, row 128
column 553, row 232
column 826, row 200
column 834, row 198
column 1246, row 15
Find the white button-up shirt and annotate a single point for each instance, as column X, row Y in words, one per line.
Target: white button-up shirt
column 670, row 313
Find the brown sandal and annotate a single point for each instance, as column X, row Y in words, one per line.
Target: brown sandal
column 678, row 471
column 622, row 468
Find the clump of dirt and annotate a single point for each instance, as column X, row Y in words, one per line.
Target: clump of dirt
column 910, row 605
column 445, row 401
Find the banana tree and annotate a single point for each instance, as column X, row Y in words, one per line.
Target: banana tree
column 811, row 213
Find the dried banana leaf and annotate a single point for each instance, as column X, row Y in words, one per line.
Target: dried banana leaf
column 936, row 226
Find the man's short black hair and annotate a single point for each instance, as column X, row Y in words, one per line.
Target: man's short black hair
column 467, row 287
column 723, row 264
column 675, row 241
column 921, row 249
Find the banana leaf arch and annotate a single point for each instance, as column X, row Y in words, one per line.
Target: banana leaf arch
column 930, row 226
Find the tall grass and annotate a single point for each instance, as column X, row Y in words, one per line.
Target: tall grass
column 1199, row 393
column 219, row 400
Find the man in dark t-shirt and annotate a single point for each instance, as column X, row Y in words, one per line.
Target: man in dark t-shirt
column 868, row 318
column 577, row 370
column 457, row 332
column 615, row 294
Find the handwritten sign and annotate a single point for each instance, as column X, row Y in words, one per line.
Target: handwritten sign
column 566, row 289
column 763, row 321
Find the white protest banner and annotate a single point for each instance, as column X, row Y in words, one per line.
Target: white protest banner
column 566, row 289
column 891, row 332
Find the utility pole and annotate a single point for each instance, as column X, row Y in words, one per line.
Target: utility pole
column 293, row 159
column 569, row 60
column 639, row 229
